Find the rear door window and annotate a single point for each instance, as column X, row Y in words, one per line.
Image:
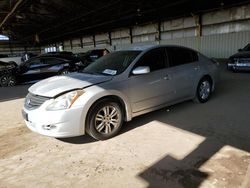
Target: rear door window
column 247, row 48
column 36, row 62
column 180, row 56
column 52, row 61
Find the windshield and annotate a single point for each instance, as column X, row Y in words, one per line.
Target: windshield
column 112, row 64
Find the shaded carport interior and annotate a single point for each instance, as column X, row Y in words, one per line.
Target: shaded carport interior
column 53, row 21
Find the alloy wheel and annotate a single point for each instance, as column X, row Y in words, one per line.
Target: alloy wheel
column 7, row 80
column 107, row 119
column 205, row 89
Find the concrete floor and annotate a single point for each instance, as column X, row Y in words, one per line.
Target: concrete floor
column 185, row 145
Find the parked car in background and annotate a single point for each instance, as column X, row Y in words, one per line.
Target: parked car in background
column 116, row 88
column 7, row 73
column 91, row 56
column 241, row 60
column 44, row 66
column 16, row 59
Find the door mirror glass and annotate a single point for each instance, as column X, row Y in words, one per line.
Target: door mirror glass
column 141, row 70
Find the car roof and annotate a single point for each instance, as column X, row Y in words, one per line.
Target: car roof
column 149, row 47
column 64, row 57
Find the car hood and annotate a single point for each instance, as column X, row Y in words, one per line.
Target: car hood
column 56, row 85
column 245, row 54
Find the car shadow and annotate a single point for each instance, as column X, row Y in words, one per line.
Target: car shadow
column 222, row 121
column 85, row 139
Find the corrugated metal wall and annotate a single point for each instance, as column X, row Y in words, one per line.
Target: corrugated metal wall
column 7, row 47
column 216, row 34
column 219, row 46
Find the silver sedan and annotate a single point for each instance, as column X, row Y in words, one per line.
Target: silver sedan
column 116, row 88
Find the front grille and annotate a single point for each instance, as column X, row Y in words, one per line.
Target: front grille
column 34, row 101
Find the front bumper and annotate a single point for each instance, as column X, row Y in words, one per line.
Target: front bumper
column 59, row 124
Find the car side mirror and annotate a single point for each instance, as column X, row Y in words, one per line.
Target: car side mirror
column 141, row 70
column 240, row 50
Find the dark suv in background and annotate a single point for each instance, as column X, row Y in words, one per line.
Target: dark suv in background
column 241, row 60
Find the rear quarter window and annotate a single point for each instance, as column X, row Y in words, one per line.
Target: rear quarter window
column 180, row 56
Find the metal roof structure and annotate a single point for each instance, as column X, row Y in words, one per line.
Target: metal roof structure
column 47, row 21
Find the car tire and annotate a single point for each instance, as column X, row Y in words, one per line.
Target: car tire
column 104, row 120
column 204, row 90
column 7, row 80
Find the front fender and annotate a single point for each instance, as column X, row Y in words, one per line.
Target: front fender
column 94, row 93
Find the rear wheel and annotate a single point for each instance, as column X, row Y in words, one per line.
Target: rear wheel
column 104, row 120
column 204, row 90
column 7, row 80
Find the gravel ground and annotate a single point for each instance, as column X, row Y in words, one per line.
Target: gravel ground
column 185, row 145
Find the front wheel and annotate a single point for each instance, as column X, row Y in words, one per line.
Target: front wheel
column 104, row 120
column 203, row 91
column 7, row 80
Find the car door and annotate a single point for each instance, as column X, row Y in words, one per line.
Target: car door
column 151, row 89
column 184, row 68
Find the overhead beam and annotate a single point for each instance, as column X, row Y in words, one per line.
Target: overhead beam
column 11, row 12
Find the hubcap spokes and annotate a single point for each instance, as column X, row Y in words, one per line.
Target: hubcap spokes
column 107, row 119
column 4, row 80
column 205, row 90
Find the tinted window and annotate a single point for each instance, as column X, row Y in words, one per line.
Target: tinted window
column 154, row 59
column 94, row 55
column 180, row 56
column 52, row 61
column 32, row 63
column 35, row 61
column 247, row 48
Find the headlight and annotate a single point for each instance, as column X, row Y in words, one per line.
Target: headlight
column 65, row 101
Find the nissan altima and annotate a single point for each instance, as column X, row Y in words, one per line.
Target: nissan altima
column 116, row 88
